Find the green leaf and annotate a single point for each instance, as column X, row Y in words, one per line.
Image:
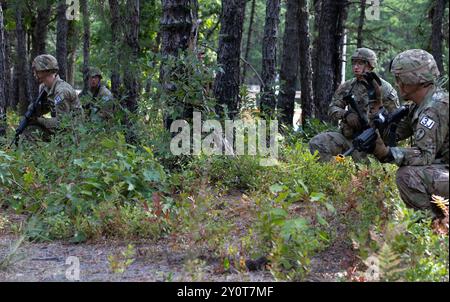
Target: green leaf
column 151, row 175
column 316, row 196
column 79, row 237
column 293, row 226
column 78, row 162
column 282, row 196
column 277, row 215
column 300, row 187
column 84, row 192
column 226, row 263
column 28, row 178
column 276, row 188
column 330, row 208
column 322, row 220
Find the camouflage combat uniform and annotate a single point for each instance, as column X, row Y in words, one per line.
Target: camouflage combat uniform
column 100, row 101
column 330, row 144
column 61, row 100
column 424, row 167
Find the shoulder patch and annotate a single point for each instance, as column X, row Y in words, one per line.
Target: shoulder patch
column 420, row 134
column 427, row 122
column 58, row 100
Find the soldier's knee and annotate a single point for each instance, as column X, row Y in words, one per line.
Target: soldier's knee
column 402, row 177
column 314, row 143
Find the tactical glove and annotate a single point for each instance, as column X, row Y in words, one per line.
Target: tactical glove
column 352, row 120
column 381, row 151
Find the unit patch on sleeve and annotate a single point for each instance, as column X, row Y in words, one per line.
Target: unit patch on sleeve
column 427, row 122
column 58, row 100
column 420, row 134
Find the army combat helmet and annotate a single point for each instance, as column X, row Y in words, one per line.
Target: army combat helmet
column 94, row 72
column 367, row 55
column 415, row 66
column 45, row 63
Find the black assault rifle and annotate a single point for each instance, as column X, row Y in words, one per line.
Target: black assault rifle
column 30, row 112
column 365, row 141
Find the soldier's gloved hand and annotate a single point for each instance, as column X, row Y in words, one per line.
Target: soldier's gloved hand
column 381, row 151
column 371, row 76
column 352, row 120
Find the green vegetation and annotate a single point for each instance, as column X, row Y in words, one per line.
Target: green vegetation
column 88, row 184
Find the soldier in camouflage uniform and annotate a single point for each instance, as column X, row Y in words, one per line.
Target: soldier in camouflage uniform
column 424, row 166
column 61, row 100
column 100, row 100
column 369, row 97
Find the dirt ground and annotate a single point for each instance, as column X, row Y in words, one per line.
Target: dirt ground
column 163, row 260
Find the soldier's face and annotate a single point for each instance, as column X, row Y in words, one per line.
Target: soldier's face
column 360, row 67
column 44, row 77
column 94, row 81
column 408, row 92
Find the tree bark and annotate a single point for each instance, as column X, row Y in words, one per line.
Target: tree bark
column 437, row 36
column 328, row 58
column 130, row 78
column 176, row 27
column 22, row 71
column 3, row 100
column 289, row 64
column 39, row 26
column 269, row 59
column 86, row 42
column 114, row 7
column 362, row 14
column 249, row 39
column 72, row 42
column 307, row 100
column 226, row 84
column 176, row 36
column 62, row 28
column 8, row 75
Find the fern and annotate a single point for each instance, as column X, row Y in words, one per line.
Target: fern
column 441, row 203
column 390, row 263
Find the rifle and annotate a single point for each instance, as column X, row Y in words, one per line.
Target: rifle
column 365, row 142
column 30, row 112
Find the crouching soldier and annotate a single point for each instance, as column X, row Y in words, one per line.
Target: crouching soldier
column 424, row 166
column 370, row 94
column 98, row 100
column 61, row 100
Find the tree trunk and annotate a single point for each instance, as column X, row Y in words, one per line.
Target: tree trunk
column 437, row 35
column 21, row 71
column 362, row 14
column 176, row 36
column 115, row 40
column 307, row 100
column 249, row 39
column 39, row 26
column 3, row 100
column 62, row 28
column 226, row 84
column 269, row 57
column 8, row 75
column 340, row 39
column 176, row 26
column 72, row 42
column 289, row 64
column 327, row 65
column 130, row 78
column 86, row 42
